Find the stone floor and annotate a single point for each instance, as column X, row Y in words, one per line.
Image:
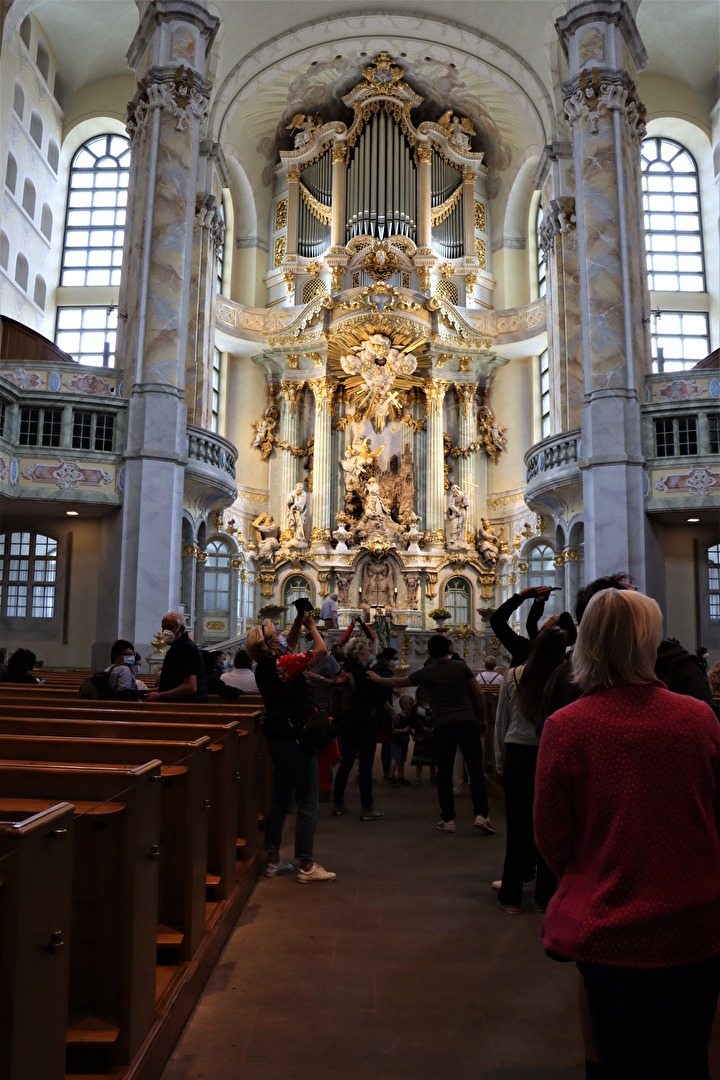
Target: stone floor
column 402, row 969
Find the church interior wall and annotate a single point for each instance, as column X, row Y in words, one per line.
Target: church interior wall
column 96, row 103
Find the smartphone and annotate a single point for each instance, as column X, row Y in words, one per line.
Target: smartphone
column 303, row 605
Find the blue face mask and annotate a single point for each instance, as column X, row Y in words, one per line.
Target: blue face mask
column 283, row 643
column 129, row 660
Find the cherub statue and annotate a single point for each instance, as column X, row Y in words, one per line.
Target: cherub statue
column 459, row 129
column 492, row 436
column 304, row 127
column 264, row 431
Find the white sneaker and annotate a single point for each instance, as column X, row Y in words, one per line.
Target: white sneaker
column 280, row 867
column 484, row 824
column 316, row 873
column 445, row 826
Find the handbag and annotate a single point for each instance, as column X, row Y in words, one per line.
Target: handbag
column 317, row 732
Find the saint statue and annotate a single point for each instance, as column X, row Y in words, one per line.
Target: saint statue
column 488, row 543
column 374, row 504
column 296, row 504
column 267, row 536
column 458, row 504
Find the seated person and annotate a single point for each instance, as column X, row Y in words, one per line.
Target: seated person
column 19, row 667
column 242, row 676
column 122, row 682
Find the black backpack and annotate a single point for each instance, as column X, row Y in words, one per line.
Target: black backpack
column 97, row 687
column 340, row 698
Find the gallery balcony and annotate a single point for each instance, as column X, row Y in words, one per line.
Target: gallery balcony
column 552, row 472
column 210, row 482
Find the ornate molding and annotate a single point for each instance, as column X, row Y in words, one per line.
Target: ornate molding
column 318, row 210
column 175, row 92
column 560, row 217
column 292, row 393
column 592, row 96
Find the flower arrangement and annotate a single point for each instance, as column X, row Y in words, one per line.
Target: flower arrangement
column 439, row 613
column 315, row 613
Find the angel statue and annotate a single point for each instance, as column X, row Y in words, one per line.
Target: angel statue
column 267, row 536
column 459, row 130
column 264, row 431
column 304, row 127
column 492, row 436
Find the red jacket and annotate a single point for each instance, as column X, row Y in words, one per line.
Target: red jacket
column 627, row 812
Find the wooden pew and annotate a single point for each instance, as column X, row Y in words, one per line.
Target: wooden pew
column 116, row 836
column 222, row 774
column 184, row 808
column 35, row 891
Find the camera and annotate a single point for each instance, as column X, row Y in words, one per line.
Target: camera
column 303, row 605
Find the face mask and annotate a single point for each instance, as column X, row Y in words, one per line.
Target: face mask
column 393, row 663
column 283, row 642
column 168, row 636
column 129, row 660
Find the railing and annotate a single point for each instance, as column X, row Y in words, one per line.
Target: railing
column 553, row 453
column 211, row 449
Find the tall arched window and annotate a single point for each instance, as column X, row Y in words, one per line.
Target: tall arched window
column 4, row 251
column 36, row 128
column 295, row 587
column 714, row 583
column 675, row 258
column 19, row 101
column 22, row 271
column 11, row 174
column 216, row 593
column 28, row 575
column 40, row 292
column 96, row 207
column 541, row 571
column 457, row 599
column 28, row 199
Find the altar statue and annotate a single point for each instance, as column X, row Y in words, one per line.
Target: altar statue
column 296, row 503
column 267, row 536
column 488, row 543
column 458, row 504
column 374, row 503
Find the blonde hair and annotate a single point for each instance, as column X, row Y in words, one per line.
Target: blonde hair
column 617, row 640
column 357, row 649
column 256, row 642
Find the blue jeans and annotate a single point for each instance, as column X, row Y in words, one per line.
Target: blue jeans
column 295, row 781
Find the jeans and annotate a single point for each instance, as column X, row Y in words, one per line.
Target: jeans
column 652, row 1023
column 465, row 735
column 521, row 855
column 295, row 781
column 358, row 740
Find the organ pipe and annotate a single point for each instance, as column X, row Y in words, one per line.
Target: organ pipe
column 380, row 182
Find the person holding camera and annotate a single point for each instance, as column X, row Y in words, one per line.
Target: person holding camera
column 288, row 700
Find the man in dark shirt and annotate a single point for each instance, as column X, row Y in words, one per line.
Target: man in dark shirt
column 517, row 645
column 182, row 677
column 458, row 711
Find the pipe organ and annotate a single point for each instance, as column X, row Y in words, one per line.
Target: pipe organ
column 384, row 179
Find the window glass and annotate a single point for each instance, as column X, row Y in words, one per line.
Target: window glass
column 28, row 575
column 671, row 200
column 457, row 600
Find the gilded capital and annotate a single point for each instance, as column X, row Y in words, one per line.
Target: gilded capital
column 322, row 391
column 293, row 175
column 339, row 153
column 466, row 395
column 435, row 391
column 468, row 176
column 292, row 393
column 423, row 154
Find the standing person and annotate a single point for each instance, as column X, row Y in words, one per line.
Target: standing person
column 121, row 680
column 517, row 645
column 402, row 730
column 182, row 676
column 287, row 696
column 489, row 677
column 458, row 712
column 516, row 751
column 322, row 677
column 329, row 612
column 386, row 661
column 241, row 676
column 4, row 655
column 626, row 813
column 359, row 731
column 424, row 743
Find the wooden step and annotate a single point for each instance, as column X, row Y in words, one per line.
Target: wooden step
column 88, row 1030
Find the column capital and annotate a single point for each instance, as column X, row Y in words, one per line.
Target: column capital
column 183, row 96
column 291, row 392
column 323, row 390
column 592, row 96
column 435, row 391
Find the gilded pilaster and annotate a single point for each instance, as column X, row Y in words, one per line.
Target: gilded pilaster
column 322, row 470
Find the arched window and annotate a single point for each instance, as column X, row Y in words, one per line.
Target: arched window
column 28, row 575
column 673, row 227
column 4, row 251
column 40, row 292
column 36, row 128
column 714, row 583
column 28, row 200
column 457, row 599
column 11, row 174
column 541, row 571
column 95, row 221
column 53, row 155
column 21, row 272
column 46, row 221
column 216, row 593
column 42, row 59
column 26, row 31
column 19, row 101
column 295, row 587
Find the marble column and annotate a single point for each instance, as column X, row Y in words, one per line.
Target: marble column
column 558, row 241
column 465, row 393
column 169, row 53
column 293, row 197
column 322, row 466
column 337, row 221
column 435, row 391
column 423, row 157
column 291, row 398
column 605, row 54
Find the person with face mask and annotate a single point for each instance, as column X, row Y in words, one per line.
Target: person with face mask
column 182, row 677
column 121, row 680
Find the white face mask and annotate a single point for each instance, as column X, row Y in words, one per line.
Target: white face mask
column 168, row 636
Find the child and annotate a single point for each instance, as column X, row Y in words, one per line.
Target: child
column 424, row 752
column 399, row 741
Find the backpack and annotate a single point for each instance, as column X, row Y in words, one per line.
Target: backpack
column 340, row 698
column 97, row 687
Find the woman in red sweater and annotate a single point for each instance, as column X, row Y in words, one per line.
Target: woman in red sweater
column 627, row 813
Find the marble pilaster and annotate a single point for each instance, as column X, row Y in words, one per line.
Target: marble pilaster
column 337, row 222
column 465, row 393
column 435, row 391
column 602, row 107
column 322, row 470
column 293, row 179
column 289, row 471
column 169, row 54
column 424, row 227
column 468, row 196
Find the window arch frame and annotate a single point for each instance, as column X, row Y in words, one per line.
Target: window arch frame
column 217, row 548
column 295, row 586
column 677, row 213
column 31, row 566
column 450, row 592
